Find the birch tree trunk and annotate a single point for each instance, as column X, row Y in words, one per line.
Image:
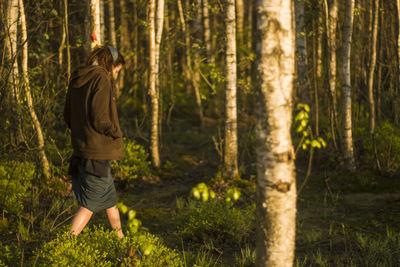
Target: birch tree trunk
column 32, row 113
column 331, row 25
column 95, row 22
column 276, row 185
column 301, row 53
column 348, row 150
column 111, row 20
column 196, row 59
column 154, row 141
column 207, row 31
column 230, row 142
column 11, row 44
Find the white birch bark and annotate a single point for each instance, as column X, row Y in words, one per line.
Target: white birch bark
column 154, row 140
column 95, row 22
column 111, row 27
column 276, row 185
column 301, row 53
column 230, row 141
column 347, row 140
column 11, row 44
column 32, row 113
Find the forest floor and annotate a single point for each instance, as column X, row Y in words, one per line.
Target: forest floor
column 343, row 219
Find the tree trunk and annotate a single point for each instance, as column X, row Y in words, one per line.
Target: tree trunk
column 124, row 41
column 230, row 144
column 331, row 15
column 398, row 57
column 276, row 185
column 35, row 120
column 239, row 21
column 207, row 31
column 301, row 53
column 67, row 39
column 371, row 70
column 154, row 141
column 111, row 20
column 95, row 22
column 11, row 43
column 347, row 140
column 102, row 19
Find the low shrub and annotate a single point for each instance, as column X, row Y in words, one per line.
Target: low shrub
column 216, row 220
column 15, row 180
column 135, row 163
column 98, row 247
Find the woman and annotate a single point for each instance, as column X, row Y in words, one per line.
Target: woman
column 91, row 114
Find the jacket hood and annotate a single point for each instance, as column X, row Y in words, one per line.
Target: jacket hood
column 83, row 75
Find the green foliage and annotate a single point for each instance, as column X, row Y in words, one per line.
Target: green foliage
column 9, row 254
column 215, row 220
column 15, row 180
column 133, row 223
column 135, row 163
column 98, row 247
column 387, row 137
column 302, row 119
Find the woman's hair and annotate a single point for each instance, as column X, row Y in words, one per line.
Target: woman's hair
column 106, row 56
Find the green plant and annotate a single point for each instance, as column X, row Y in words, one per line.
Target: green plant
column 98, row 247
column 135, row 163
column 217, row 220
column 15, row 180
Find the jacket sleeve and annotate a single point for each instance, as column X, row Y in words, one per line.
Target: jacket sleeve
column 67, row 109
column 100, row 109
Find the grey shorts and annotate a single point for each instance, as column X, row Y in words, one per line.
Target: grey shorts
column 94, row 192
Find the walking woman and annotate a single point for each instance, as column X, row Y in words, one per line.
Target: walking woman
column 91, row 114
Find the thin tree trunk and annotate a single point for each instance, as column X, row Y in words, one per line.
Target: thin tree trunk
column 239, row 21
column 207, row 31
column 276, row 182
column 102, row 19
column 371, row 71
column 111, row 20
column 331, row 25
column 95, row 22
column 35, row 120
column 124, row 41
column 348, row 149
column 12, row 22
column 316, row 44
column 154, row 141
column 230, row 142
column 301, row 53
column 67, row 39
column 398, row 58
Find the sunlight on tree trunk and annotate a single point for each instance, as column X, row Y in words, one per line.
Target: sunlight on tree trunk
column 95, row 21
column 154, row 140
column 111, row 20
column 35, row 120
column 230, row 140
column 276, row 184
column 207, row 31
column 348, row 150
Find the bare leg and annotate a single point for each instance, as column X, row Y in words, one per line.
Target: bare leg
column 80, row 220
column 115, row 221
